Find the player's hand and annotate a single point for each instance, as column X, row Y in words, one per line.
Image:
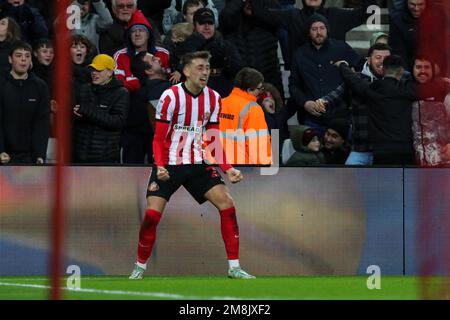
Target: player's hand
column 4, row 157
column 234, row 175
column 162, row 173
column 175, row 77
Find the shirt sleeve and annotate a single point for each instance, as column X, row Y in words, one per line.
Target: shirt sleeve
column 166, row 106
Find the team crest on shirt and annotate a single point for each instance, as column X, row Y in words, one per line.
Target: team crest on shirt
column 153, row 187
column 206, row 116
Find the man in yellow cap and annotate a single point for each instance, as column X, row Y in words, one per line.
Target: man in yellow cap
column 99, row 115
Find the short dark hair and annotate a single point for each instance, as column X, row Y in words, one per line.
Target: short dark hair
column 248, row 78
column 378, row 46
column 191, row 3
column 138, row 66
column 17, row 45
column 43, row 43
column 392, row 64
column 189, row 57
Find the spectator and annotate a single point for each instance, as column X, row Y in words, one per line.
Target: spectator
column 9, row 33
column 137, row 136
column 225, row 61
column 335, row 142
column 99, row 115
column 361, row 149
column 389, row 103
column 174, row 43
column 178, row 10
column 93, row 23
column 313, row 75
column 24, row 111
column 154, row 11
column 306, row 143
column 431, row 120
column 43, row 56
column 417, row 17
column 256, row 40
column 81, row 51
column 295, row 21
column 379, row 37
column 242, row 123
column 272, row 103
column 31, row 23
column 112, row 38
column 139, row 37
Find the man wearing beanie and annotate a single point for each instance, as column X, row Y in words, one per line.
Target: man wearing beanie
column 335, row 145
column 313, row 74
column 295, row 20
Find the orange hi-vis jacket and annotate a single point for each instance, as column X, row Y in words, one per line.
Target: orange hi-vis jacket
column 243, row 128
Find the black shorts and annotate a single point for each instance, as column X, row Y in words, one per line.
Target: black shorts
column 197, row 179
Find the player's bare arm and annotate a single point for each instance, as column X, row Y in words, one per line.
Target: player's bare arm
column 234, row 175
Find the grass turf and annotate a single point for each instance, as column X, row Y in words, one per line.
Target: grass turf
column 217, row 287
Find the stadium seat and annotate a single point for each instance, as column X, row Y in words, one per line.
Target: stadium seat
column 287, row 150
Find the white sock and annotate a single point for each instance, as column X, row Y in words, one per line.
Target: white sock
column 142, row 265
column 233, row 263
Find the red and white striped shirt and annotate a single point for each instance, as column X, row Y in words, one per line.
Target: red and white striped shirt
column 187, row 116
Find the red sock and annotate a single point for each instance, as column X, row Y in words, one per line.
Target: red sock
column 147, row 235
column 230, row 232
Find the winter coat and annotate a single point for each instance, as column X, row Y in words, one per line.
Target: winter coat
column 313, row 75
column 389, row 103
column 302, row 155
column 225, row 60
column 93, row 23
column 31, row 22
column 96, row 135
column 295, row 20
column 5, row 66
column 405, row 32
column 123, row 56
column 111, row 39
column 24, row 117
column 256, row 40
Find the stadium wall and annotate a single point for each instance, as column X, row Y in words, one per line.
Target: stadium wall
column 302, row 221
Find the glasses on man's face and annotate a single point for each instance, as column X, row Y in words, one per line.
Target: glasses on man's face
column 123, row 6
column 260, row 88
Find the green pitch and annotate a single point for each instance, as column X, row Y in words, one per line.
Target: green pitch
column 217, row 287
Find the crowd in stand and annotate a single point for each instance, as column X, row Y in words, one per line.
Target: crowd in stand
column 390, row 107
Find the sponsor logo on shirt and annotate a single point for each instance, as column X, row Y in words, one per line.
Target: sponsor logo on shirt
column 188, row 129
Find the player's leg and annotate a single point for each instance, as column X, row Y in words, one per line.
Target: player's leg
column 147, row 234
column 220, row 197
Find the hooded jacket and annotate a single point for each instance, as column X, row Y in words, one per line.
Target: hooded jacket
column 295, row 20
column 123, row 56
column 96, row 135
column 24, row 116
column 302, row 155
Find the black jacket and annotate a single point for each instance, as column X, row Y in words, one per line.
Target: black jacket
column 96, row 135
column 389, row 104
column 295, row 20
column 112, row 39
column 256, row 40
column 24, row 116
column 313, row 75
column 224, row 57
column 5, row 66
